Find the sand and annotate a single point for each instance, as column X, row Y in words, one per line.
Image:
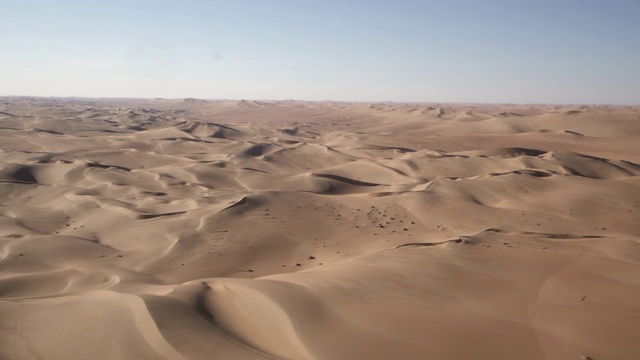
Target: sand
column 191, row 229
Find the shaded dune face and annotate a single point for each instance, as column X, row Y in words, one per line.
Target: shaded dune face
column 170, row 229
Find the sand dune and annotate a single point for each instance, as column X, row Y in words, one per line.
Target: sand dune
column 194, row 229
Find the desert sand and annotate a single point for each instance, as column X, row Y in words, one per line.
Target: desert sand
column 191, row 229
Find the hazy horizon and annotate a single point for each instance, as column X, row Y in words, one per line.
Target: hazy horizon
column 266, row 100
column 497, row 52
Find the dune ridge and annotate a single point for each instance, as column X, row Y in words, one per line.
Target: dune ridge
column 200, row 229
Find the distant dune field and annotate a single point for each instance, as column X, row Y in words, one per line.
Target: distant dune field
column 192, row 229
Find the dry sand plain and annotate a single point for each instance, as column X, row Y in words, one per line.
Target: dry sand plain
column 188, row 229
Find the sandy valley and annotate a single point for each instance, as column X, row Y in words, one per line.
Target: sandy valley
column 191, row 229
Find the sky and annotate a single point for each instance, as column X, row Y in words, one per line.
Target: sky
column 517, row 51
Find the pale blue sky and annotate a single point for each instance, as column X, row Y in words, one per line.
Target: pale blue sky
column 563, row 51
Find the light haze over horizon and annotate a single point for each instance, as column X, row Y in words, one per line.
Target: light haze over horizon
column 580, row 52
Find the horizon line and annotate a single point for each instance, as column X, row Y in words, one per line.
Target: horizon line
column 326, row 100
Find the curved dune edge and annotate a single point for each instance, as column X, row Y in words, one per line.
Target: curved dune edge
column 254, row 318
column 146, row 325
column 137, row 329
